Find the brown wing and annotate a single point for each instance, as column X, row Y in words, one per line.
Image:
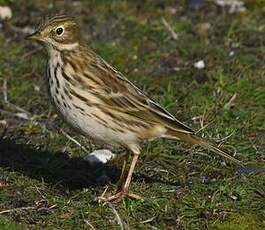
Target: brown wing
column 120, row 94
column 116, row 92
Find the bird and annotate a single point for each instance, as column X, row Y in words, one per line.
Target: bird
column 97, row 100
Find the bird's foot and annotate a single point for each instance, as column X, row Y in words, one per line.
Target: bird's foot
column 109, row 197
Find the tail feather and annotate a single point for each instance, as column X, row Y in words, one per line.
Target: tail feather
column 194, row 140
column 221, row 153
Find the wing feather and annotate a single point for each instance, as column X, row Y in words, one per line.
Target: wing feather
column 123, row 96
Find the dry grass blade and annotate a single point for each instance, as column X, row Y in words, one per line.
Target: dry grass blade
column 231, row 101
column 17, row 209
column 173, row 34
column 74, row 140
column 12, row 106
column 118, row 218
column 90, row 225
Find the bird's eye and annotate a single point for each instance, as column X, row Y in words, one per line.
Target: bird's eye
column 59, row 31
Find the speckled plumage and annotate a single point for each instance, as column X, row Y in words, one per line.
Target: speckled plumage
column 96, row 99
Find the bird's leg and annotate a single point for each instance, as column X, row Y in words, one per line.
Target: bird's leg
column 121, row 179
column 123, row 173
column 124, row 188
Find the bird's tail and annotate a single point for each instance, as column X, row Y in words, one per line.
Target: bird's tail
column 194, row 140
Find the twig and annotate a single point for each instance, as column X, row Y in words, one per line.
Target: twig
column 227, row 137
column 22, row 116
column 9, row 103
column 17, row 209
column 231, row 100
column 204, row 127
column 103, row 194
column 73, row 140
column 153, row 227
column 53, row 206
column 173, row 34
column 118, row 218
column 25, row 30
column 202, row 119
column 5, row 129
column 90, row 225
column 31, row 52
column 5, row 90
column 150, row 219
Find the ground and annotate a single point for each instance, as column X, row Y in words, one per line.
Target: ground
column 44, row 181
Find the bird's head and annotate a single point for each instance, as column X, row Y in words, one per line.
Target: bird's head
column 59, row 32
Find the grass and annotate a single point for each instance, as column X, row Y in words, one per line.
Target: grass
column 43, row 179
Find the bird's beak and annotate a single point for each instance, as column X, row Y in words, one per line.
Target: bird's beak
column 36, row 36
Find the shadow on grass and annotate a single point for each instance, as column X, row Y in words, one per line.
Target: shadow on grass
column 59, row 169
column 55, row 168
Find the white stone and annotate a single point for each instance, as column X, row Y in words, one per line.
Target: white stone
column 99, row 156
column 199, row 64
column 231, row 53
column 5, row 12
column 235, row 6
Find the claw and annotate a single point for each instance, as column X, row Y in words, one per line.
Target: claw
column 123, row 186
column 117, row 196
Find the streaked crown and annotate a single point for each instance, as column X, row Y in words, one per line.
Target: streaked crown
column 60, row 31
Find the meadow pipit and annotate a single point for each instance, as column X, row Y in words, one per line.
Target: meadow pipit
column 96, row 99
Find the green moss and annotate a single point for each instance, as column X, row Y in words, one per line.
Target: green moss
column 239, row 221
column 7, row 224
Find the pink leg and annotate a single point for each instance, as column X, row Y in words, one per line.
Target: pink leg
column 124, row 188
